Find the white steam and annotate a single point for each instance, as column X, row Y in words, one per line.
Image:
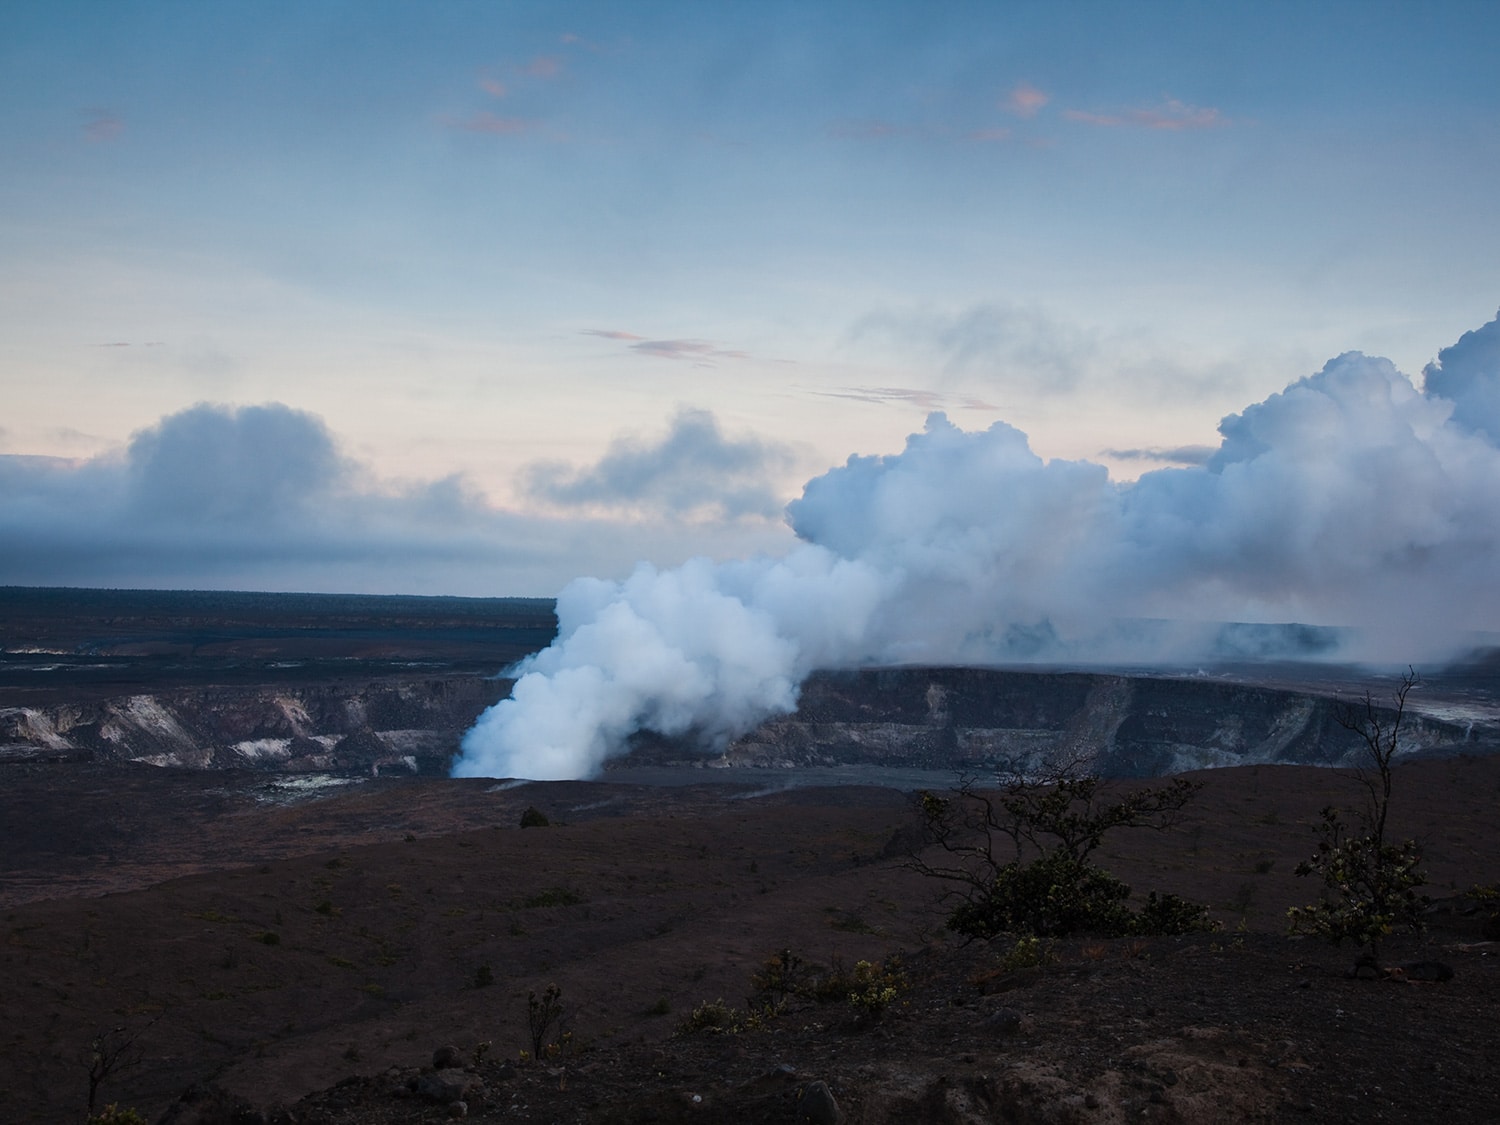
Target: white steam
column 1350, row 499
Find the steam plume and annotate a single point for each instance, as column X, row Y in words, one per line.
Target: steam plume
column 1350, row 499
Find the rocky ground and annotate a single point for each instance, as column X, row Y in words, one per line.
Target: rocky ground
column 326, row 948
column 254, row 945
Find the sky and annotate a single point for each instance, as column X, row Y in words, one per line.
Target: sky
column 475, row 298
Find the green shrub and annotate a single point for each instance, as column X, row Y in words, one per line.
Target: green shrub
column 534, row 818
column 1028, row 953
column 875, row 987
column 1171, row 914
column 1061, row 822
column 1370, row 882
column 779, row 977
column 1372, row 887
column 1054, row 896
column 1487, row 899
column 712, row 1018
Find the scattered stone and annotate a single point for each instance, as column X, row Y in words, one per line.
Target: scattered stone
column 458, row 1109
column 1090, row 1101
column 817, row 1105
column 442, row 1087
column 1431, row 971
column 446, row 1057
column 209, row 1105
column 1003, row 1022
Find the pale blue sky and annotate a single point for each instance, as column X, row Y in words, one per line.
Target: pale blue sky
column 476, row 237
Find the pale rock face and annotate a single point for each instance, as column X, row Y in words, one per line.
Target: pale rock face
column 407, row 726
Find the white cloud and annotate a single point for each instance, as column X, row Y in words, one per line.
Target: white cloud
column 693, row 470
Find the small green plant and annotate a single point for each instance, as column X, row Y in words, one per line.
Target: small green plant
column 270, row 937
column 484, row 976
column 662, row 1007
column 779, row 977
column 116, row 1115
column 1169, row 914
column 712, row 1018
column 875, row 987
column 534, row 818
column 1029, row 953
column 543, row 1013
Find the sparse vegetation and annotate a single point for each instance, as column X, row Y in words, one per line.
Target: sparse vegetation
column 1031, row 953
column 1043, row 884
column 533, row 817
column 711, row 1017
column 552, row 896
column 110, row 1051
column 543, row 1014
column 1370, row 883
column 875, row 987
column 1487, row 900
column 116, row 1115
column 780, row 976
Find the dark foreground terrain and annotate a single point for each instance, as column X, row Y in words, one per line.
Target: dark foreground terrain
column 232, row 862
column 328, row 946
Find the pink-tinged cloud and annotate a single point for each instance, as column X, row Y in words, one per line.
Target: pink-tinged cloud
column 568, row 39
column 609, row 334
column 492, row 86
column 1025, row 100
column 926, row 400
column 543, row 66
column 102, row 125
column 989, row 135
column 686, row 349
column 1172, row 115
column 699, row 351
column 485, row 122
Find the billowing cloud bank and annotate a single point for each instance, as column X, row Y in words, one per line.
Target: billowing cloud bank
column 260, row 497
column 1350, row 499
